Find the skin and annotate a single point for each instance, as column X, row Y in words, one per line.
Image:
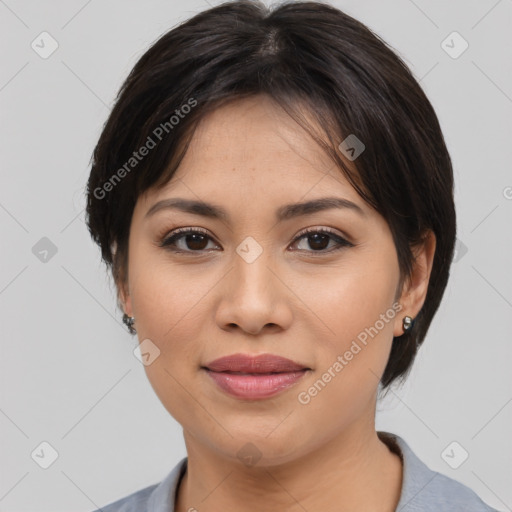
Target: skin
column 306, row 304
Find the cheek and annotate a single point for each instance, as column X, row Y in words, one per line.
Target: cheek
column 353, row 300
column 357, row 308
column 170, row 308
column 168, row 299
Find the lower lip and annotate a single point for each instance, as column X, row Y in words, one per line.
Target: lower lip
column 255, row 387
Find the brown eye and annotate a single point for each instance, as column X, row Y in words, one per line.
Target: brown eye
column 188, row 240
column 319, row 239
column 192, row 240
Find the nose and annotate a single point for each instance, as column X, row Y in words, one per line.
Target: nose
column 254, row 298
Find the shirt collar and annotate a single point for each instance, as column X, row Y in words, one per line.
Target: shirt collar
column 416, row 474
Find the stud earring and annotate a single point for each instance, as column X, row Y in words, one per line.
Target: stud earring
column 129, row 321
column 407, row 323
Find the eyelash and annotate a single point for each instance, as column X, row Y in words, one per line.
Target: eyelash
column 169, row 242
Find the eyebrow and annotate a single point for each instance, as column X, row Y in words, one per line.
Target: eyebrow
column 285, row 212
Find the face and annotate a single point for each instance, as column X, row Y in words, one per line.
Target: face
column 309, row 287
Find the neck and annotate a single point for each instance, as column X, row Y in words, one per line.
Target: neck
column 350, row 472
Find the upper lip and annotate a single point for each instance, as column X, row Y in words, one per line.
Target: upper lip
column 264, row 363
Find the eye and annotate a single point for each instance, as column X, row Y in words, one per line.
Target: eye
column 193, row 238
column 319, row 239
column 196, row 240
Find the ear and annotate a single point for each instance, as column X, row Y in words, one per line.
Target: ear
column 121, row 283
column 414, row 290
column 124, row 298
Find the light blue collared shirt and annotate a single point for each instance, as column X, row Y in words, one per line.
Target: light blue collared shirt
column 422, row 489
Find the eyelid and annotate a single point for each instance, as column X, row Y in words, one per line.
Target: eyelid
column 324, row 229
column 165, row 233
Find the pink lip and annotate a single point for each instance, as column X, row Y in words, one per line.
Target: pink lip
column 263, row 363
column 255, row 387
column 258, row 377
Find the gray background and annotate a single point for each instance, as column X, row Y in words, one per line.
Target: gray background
column 69, row 375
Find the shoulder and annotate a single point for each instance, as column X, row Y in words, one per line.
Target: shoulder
column 445, row 493
column 424, row 489
column 135, row 502
column 153, row 498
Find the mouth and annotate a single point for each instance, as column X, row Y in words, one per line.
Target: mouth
column 248, row 377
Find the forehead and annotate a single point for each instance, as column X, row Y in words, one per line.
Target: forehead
column 253, row 149
column 255, row 135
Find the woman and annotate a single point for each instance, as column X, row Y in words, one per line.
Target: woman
column 274, row 197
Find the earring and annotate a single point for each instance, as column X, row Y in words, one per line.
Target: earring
column 129, row 321
column 407, row 323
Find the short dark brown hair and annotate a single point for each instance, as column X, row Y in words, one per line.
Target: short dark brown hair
column 303, row 55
